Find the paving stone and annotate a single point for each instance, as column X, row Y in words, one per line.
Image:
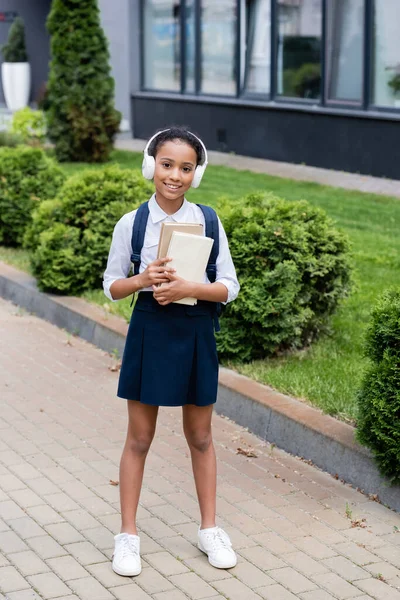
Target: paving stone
column 105, row 575
column 85, row 553
column 251, row 575
column 292, row 580
column 28, row 563
column 337, row 586
column 11, row 542
column 26, row 498
column 305, row 564
column 166, row 564
column 276, row 592
column 80, row 519
column 378, row 589
column 235, row 590
column 64, row 533
column 46, row 547
column 317, row 595
column 345, row 568
column 202, row 567
column 44, row 515
column 11, row 580
column 66, row 567
column 23, row 595
column 132, row 591
column 153, row 582
column 10, row 510
column 262, row 558
column 48, row 585
column 314, row 548
column 89, row 588
column 26, row 527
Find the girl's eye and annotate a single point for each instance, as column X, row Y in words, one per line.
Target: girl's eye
column 187, row 169
column 166, row 165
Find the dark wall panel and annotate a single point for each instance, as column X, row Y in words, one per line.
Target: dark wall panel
column 353, row 144
column 34, row 14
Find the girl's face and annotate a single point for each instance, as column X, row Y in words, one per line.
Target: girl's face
column 174, row 171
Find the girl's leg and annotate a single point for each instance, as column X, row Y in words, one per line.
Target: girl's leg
column 141, row 429
column 197, row 429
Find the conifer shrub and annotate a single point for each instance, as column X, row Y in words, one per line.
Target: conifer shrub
column 27, row 177
column 378, row 425
column 82, row 120
column 294, row 268
column 70, row 236
column 14, row 51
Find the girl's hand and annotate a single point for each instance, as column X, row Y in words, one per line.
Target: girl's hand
column 176, row 289
column 156, row 272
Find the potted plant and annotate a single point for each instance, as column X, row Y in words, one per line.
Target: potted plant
column 394, row 83
column 15, row 71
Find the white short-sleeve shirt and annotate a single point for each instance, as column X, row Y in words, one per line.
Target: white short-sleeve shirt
column 119, row 259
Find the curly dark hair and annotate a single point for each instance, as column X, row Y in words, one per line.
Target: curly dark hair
column 178, row 133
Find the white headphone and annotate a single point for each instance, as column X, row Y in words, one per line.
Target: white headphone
column 149, row 163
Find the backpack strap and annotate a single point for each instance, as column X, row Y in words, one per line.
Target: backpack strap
column 138, row 233
column 212, row 231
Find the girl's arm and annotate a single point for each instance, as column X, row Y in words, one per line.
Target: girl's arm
column 155, row 273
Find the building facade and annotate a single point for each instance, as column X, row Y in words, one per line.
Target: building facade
column 304, row 81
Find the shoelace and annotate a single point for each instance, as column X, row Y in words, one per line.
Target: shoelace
column 129, row 546
column 221, row 539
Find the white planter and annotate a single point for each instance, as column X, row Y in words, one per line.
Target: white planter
column 16, row 78
column 397, row 103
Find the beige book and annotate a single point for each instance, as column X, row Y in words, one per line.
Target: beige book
column 190, row 254
column 166, row 232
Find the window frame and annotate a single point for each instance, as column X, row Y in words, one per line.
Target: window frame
column 365, row 104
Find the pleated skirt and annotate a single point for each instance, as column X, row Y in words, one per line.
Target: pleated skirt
column 170, row 356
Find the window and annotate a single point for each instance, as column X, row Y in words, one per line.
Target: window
column 162, row 58
column 190, row 25
column 386, row 54
column 299, row 48
column 345, row 50
column 218, row 46
column 257, row 47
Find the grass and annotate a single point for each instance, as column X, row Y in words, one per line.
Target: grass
column 328, row 373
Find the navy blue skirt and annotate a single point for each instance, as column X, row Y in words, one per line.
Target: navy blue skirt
column 170, row 356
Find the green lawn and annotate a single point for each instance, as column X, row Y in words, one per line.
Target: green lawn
column 328, row 373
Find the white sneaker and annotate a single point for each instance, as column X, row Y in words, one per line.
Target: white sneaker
column 126, row 557
column 216, row 544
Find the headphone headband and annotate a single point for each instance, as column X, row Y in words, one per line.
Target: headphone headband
column 205, row 157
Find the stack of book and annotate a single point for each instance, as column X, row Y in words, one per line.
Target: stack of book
column 189, row 249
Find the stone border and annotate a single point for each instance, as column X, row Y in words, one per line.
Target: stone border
column 290, row 424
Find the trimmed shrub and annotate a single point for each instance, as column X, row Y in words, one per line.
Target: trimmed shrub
column 27, row 176
column 14, row 50
column 70, row 236
column 29, row 125
column 379, row 396
column 82, row 121
column 293, row 267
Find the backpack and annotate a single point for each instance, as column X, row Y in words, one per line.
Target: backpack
column 212, row 231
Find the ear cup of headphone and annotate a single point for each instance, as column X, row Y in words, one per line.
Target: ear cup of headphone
column 148, row 166
column 198, row 175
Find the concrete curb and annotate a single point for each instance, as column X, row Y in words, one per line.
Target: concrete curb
column 279, row 419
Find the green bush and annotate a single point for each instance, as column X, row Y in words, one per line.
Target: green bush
column 29, row 125
column 379, row 396
column 15, row 49
column 27, row 176
column 70, row 236
column 293, row 267
column 82, row 121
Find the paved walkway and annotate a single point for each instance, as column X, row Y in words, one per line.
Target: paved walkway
column 61, row 434
column 349, row 181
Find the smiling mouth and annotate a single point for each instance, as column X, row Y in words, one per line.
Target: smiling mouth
column 173, row 188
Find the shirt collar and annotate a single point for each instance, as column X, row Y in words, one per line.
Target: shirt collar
column 157, row 214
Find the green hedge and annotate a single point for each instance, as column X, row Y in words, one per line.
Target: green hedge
column 27, row 177
column 293, row 267
column 379, row 396
column 70, row 236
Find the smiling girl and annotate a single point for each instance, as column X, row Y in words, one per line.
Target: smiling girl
column 170, row 356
